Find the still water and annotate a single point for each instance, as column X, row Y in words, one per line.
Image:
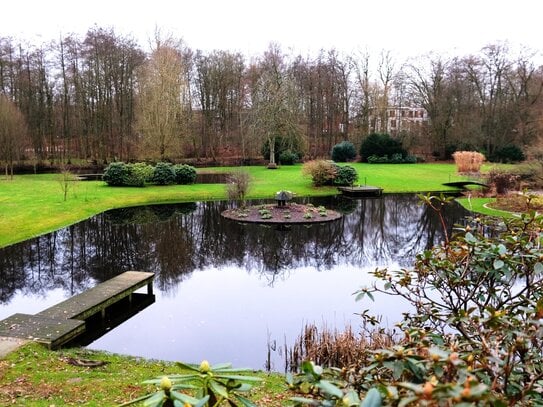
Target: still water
column 224, row 290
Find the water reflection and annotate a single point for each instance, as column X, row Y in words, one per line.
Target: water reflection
column 175, row 241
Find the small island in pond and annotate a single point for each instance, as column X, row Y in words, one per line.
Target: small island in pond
column 292, row 213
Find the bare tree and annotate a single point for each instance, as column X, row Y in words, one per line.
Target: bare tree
column 162, row 92
column 12, row 134
column 274, row 109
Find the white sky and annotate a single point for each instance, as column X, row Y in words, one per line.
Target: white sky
column 406, row 27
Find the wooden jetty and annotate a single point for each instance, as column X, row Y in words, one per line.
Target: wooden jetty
column 65, row 321
column 361, row 191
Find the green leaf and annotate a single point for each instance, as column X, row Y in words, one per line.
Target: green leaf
column 372, row 399
column 498, row 264
column 218, row 388
column 194, row 368
column 238, row 377
column 155, row 400
column 538, row 268
column 245, row 401
column 185, row 398
column 330, row 388
column 470, row 238
column 221, row 366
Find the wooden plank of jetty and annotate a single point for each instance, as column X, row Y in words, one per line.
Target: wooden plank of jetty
column 49, row 331
column 63, row 322
column 98, row 298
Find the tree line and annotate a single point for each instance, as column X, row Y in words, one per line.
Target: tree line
column 101, row 97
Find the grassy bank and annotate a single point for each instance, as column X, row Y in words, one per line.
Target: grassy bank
column 34, row 376
column 31, row 205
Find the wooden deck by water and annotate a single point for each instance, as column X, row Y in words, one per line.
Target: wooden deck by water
column 361, row 191
column 65, row 321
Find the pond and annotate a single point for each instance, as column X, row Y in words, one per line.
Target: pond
column 224, row 290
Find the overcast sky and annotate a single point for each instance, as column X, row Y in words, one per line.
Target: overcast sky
column 407, row 27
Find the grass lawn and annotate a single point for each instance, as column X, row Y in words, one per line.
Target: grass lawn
column 33, row 376
column 31, row 205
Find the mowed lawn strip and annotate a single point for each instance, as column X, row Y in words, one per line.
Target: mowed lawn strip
column 31, row 205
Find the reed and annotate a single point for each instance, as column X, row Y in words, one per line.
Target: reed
column 468, row 161
column 330, row 347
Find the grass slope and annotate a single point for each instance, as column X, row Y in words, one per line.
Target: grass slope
column 31, row 205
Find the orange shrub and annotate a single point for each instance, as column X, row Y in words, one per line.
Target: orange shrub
column 322, row 172
column 468, row 161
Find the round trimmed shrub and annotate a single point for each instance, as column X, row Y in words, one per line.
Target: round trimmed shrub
column 138, row 174
column 346, row 175
column 343, row 152
column 184, row 174
column 288, row 157
column 115, row 174
column 164, row 174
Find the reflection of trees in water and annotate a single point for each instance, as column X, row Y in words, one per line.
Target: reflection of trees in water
column 174, row 240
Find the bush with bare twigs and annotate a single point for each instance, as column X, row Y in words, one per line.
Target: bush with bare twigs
column 322, row 172
column 239, row 183
column 468, row 161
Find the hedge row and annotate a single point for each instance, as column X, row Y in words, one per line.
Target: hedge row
column 139, row 174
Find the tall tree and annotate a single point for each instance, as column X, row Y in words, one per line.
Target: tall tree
column 274, row 109
column 162, row 103
column 12, row 134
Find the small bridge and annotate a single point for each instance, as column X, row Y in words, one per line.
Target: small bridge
column 465, row 184
column 65, row 321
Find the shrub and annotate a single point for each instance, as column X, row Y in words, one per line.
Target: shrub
column 468, row 161
column 508, row 154
column 380, row 145
column 164, row 174
column 138, row 174
column 115, row 174
column 239, row 183
column 322, row 172
column 288, row 157
column 395, row 159
column 343, row 152
column 478, row 336
column 184, row 174
column 503, row 181
column 346, row 175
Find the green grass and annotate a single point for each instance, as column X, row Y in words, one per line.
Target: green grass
column 34, row 376
column 32, row 205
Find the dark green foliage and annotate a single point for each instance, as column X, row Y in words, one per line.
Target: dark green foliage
column 380, row 145
column 346, row 176
column 288, row 157
column 184, row 174
column 282, row 145
column 164, row 174
column 508, row 154
column 138, row 174
column 343, row 152
column 115, row 174
column 395, row 159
